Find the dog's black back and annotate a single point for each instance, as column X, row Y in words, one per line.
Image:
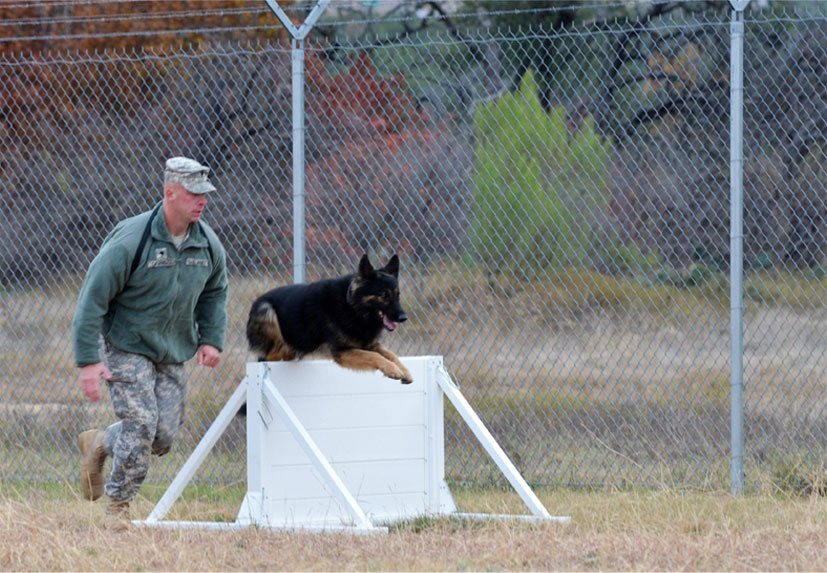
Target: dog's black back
column 338, row 314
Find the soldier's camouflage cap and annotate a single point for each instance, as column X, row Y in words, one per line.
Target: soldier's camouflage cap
column 189, row 173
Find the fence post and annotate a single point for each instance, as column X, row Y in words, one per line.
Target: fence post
column 736, row 242
column 299, row 258
column 297, row 64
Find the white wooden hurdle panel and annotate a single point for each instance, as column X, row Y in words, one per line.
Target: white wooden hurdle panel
column 378, row 436
column 329, row 448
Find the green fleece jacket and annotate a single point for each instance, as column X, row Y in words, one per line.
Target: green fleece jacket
column 174, row 302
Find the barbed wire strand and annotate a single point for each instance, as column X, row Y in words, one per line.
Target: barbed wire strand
column 139, row 33
column 134, row 16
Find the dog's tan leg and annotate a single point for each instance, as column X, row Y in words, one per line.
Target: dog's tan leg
column 356, row 359
column 406, row 378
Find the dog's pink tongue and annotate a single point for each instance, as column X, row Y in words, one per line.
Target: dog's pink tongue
column 389, row 324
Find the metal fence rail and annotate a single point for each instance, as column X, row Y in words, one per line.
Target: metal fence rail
column 559, row 201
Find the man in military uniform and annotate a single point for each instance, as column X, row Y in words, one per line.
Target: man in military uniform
column 154, row 296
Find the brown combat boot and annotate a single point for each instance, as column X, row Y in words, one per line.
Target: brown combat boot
column 90, row 443
column 117, row 515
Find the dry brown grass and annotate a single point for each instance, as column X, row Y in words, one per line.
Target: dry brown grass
column 595, row 330
column 48, row 531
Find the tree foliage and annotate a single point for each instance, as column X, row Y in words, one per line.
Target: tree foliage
column 90, row 26
column 45, row 29
column 378, row 164
column 536, row 184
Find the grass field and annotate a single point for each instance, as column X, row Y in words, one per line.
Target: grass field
column 49, row 528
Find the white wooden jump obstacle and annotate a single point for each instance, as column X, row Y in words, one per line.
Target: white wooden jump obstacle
column 332, row 449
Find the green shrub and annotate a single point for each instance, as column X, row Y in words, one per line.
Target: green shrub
column 538, row 188
column 627, row 259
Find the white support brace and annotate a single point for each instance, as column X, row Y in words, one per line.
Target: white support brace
column 218, row 427
column 494, row 450
column 329, row 476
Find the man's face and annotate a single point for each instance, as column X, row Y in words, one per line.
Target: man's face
column 186, row 206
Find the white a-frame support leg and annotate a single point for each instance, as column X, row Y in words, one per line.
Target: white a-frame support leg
column 331, row 479
column 360, row 521
column 494, row 450
column 215, row 431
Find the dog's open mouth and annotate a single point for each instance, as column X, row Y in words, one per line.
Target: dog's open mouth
column 389, row 324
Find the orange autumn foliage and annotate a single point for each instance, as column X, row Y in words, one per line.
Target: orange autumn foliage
column 129, row 25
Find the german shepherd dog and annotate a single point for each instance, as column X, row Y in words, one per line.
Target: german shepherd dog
column 342, row 316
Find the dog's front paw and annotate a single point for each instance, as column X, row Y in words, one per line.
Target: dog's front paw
column 395, row 373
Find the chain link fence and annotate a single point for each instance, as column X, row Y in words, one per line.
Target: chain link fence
column 558, row 198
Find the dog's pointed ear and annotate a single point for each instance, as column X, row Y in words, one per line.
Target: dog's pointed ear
column 392, row 268
column 365, row 268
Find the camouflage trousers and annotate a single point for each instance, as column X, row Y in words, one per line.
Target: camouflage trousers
column 148, row 399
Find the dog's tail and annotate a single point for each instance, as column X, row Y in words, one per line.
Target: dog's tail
column 263, row 331
column 263, row 335
column 262, row 326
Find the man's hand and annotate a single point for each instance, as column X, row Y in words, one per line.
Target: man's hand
column 90, row 379
column 208, row 355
